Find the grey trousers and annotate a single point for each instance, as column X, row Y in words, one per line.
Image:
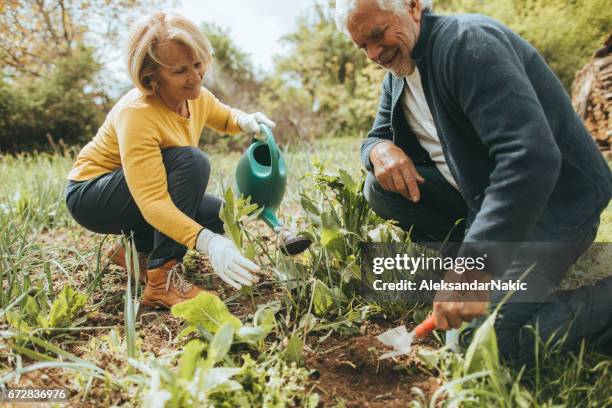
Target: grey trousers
column 105, row 205
column 584, row 313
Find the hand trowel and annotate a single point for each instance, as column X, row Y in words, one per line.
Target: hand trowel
column 401, row 340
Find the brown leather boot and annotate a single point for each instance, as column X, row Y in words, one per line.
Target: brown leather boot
column 117, row 256
column 166, row 286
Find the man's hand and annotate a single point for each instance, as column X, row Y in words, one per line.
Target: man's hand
column 452, row 308
column 450, row 315
column 395, row 172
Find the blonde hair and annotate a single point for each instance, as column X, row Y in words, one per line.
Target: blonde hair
column 148, row 33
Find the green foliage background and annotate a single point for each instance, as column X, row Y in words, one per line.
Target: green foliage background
column 321, row 87
column 63, row 106
column 566, row 32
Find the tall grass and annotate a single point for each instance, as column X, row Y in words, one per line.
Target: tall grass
column 31, row 202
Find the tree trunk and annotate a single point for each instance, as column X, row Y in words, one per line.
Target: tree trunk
column 592, row 97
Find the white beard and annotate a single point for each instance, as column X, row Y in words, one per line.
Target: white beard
column 403, row 69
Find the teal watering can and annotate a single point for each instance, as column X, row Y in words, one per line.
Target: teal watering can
column 261, row 174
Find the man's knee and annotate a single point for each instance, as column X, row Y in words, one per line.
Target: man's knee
column 509, row 347
column 367, row 191
column 379, row 199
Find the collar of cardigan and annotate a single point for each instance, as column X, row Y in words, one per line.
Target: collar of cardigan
column 427, row 23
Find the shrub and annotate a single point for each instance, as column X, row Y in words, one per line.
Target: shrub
column 63, row 106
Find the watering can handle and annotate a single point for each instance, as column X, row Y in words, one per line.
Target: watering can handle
column 271, row 146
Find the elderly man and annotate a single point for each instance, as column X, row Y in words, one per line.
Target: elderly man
column 473, row 124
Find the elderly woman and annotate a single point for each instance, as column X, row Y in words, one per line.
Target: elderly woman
column 143, row 173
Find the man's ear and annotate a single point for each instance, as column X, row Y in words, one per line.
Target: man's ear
column 415, row 9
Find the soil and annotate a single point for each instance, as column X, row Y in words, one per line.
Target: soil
column 348, row 370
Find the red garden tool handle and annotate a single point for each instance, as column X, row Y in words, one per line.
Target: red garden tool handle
column 427, row 326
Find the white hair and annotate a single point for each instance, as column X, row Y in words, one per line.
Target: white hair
column 344, row 8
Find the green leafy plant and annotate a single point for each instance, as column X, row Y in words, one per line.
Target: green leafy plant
column 294, row 352
column 198, row 377
column 37, row 315
column 213, row 380
column 235, row 213
column 208, row 313
column 206, row 310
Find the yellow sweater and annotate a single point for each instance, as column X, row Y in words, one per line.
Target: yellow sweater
column 133, row 135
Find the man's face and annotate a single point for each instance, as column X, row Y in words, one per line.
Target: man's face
column 386, row 38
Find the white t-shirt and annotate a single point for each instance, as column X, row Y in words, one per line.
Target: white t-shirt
column 419, row 118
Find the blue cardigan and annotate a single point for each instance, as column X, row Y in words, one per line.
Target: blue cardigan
column 524, row 162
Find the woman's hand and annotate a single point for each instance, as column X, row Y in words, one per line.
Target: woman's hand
column 227, row 261
column 249, row 122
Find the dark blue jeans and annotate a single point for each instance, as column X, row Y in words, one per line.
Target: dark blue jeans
column 438, row 216
column 567, row 316
column 105, row 205
column 584, row 313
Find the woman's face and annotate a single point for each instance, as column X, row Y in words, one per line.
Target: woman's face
column 181, row 77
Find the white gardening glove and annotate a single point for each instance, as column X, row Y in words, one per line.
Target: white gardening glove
column 249, row 122
column 227, row 261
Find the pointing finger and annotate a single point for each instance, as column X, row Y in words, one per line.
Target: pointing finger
column 400, row 186
column 410, row 181
column 439, row 318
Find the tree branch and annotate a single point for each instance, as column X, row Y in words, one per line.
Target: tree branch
column 47, row 19
column 64, row 25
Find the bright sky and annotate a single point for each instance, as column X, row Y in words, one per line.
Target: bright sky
column 255, row 25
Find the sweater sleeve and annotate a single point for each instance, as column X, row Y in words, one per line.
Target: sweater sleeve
column 487, row 77
column 145, row 174
column 381, row 129
column 219, row 116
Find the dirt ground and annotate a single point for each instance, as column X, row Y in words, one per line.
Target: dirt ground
column 347, row 369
